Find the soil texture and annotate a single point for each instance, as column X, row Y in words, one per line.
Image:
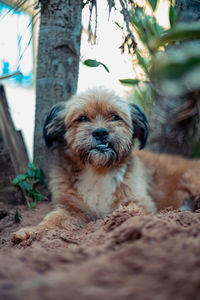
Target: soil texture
column 128, row 255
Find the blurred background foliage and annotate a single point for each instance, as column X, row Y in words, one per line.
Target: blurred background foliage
column 166, row 66
column 166, row 77
column 166, row 70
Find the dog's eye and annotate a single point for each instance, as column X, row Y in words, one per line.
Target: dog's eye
column 115, row 117
column 82, row 119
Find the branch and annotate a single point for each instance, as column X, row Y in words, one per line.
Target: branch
column 127, row 21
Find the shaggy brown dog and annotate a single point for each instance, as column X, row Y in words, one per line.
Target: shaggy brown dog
column 96, row 171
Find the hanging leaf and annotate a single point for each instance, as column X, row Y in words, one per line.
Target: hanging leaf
column 116, row 23
column 153, row 4
column 94, row 63
column 142, row 62
column 173, row 13
column 146, row 26
column 111, row 4
column 129, row 81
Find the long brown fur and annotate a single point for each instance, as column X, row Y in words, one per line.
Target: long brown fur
column 90, row 178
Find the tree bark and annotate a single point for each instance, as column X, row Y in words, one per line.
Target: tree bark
column 166, row 134
column 57, row 63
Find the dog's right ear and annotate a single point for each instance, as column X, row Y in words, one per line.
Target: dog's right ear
column 54, row 129
column 140, row 124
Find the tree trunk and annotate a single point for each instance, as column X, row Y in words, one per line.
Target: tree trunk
column 57, row 65
column 166, row 134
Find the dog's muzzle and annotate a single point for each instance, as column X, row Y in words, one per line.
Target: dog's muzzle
column 101, row 152
column 101, row 136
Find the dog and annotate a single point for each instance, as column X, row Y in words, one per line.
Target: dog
column 96, row 171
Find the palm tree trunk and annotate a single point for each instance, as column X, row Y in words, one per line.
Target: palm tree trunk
column 57, row 63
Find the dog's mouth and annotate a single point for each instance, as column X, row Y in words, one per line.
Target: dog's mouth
column 102, row 147
column 100, row 155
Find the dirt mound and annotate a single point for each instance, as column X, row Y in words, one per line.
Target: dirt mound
column 126, row 256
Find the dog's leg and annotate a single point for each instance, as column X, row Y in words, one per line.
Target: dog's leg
column 57, row 218
column 144, row 204
column 132, row 207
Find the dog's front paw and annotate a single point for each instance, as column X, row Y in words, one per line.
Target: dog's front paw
column 131, row 207
column 23, row 234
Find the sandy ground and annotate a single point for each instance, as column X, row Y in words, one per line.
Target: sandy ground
column 125, row 256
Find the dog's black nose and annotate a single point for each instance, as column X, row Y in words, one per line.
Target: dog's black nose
column 100, row 134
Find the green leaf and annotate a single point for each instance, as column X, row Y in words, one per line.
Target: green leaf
column 111, row 4
column 181, row 32
column 19, row 178
column 33, row 204
column 32, row 166
column 174, row 64
column 28, row 181
column 37, row 196
column 153, row 4
column 31, row 173
column 142, row 62
column 129, row 81
column 17, row 217
column 146, row 26
column 177, row 70
column 116, row 23
column 173, row 14
column 26, row 186
column 94, row 63
column 40, row 174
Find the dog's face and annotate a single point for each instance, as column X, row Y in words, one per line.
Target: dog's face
column 97, row 127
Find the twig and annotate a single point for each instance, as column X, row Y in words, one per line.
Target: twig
column 127, row 20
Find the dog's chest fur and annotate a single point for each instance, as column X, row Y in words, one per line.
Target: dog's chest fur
column 97, row 190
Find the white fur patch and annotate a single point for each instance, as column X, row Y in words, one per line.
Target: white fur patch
column 97, row 190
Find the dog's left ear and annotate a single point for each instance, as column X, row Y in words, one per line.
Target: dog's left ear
column 140, row 124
